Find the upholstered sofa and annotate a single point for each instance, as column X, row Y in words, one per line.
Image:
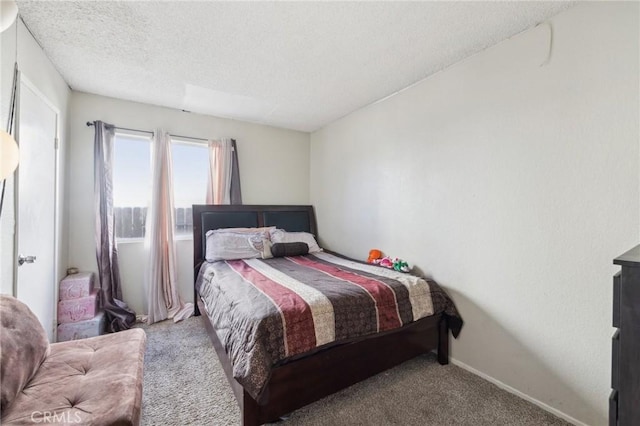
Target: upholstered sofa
column 95, row 381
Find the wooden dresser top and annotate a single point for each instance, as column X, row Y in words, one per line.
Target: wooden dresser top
column 630, row 258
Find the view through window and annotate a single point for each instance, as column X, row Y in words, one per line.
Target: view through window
column 132, row 183
column 190, row 169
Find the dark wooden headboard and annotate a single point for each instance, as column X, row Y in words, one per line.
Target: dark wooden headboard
column 207, row 217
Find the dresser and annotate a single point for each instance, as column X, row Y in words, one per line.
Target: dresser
column 624, row 402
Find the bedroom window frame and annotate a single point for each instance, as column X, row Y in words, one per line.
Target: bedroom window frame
column 188, row 235
column 131, row 134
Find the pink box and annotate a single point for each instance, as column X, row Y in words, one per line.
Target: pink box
column 82, row 329
column 74, row 310
column 76, row 285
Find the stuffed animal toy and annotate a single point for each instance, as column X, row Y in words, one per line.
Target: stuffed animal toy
column 374, row 255
column 386, row 262
column 400, row 265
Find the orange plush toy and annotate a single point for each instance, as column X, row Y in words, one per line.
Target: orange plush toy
column 374, row 255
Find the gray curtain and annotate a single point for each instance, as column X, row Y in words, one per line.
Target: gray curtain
column 118, row 315
column 236, row 193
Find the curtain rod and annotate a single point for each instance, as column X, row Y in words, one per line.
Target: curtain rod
column 89, row 124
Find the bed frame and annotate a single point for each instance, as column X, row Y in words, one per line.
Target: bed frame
column 304, row 380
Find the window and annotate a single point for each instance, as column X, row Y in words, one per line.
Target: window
column 131, row 184
column 190, row 175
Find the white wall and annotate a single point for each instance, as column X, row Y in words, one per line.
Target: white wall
column 36, row 67
column 514, row 185
column 274, row 169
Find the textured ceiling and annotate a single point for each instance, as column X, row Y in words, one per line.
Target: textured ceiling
column 293, row 65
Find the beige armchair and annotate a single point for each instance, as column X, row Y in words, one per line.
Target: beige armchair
column 95, row 381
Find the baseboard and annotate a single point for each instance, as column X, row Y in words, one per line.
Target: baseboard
column 518, row 393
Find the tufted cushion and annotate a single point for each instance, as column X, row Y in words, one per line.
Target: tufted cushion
column 24, row 345
column 95, row 381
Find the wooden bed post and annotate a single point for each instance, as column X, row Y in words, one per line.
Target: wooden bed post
column 198, row 254
column 196, row 308
column 443, row 342
column 250, row 411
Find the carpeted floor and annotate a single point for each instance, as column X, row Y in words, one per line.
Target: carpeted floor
column 184, row 385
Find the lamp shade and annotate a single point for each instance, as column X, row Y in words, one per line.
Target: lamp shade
column 8, row 13
column 9, row 155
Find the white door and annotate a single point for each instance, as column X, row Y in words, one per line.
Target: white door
column 37, row 132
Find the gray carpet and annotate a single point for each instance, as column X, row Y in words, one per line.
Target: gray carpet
column 184, row 385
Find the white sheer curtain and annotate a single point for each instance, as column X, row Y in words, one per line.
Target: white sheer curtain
column 161, row 276
column 220, row 171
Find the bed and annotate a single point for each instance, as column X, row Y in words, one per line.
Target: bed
column 305, row 372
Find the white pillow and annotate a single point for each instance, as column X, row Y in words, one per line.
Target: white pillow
column 264, row 229
column 282, row 236
column 232, row 244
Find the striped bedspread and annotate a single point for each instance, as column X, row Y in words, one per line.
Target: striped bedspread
column 265, row 311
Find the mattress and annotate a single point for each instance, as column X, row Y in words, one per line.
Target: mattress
column 266, row 311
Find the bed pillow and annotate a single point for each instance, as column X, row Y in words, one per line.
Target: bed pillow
column 289, row 249
column 282, row 236
column 243, row 230
column 231, row 245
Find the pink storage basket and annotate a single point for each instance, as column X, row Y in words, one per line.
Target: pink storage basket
column 76, row 285
column 82, row 329
column 74, row 310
